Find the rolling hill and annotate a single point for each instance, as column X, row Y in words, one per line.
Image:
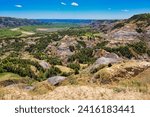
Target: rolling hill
column 15, row 22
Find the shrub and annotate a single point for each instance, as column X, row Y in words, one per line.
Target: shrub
column 21, row 67
column 1, row 70
column 65, row 74
column 74, row 66
column 85, row 55
column 82, row 43
column 119, row 25
column 40, row 56
column 139, row 47
column 54, row 61
column 53, row 71
column 101, row 45
column 139, row 30
column 72, row 48
column 76, row 71
column 125, row 51
column 122, row 50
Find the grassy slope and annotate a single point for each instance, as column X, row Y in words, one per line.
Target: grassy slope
column 9, row 76
column 139, row 83
column 33, row 28
column 7, row 33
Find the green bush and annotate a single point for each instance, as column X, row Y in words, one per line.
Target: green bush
column 54, row 61
column 40, row 56
column 139, row 47
column 82, row 43
column 53, row 71
column 119, row 25
column 2, row 70
column 122, row 50
column 74, row 66
column 139, row 30
column 21, row 67
column 101, row 45
column 84, row 55
column 125, row 51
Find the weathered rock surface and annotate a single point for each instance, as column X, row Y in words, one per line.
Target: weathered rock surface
column 108, row 58
column 56, row 80
column 122, row 70
column 44, row 64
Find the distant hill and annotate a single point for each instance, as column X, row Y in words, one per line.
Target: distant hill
column 140, row 20
column 15, row 22
column 141, row 17
column 133, row 29
column 103, row 25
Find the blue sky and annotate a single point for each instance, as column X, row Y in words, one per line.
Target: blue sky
column 73, row 9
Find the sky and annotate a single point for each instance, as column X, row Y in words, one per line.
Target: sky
column 73, row 9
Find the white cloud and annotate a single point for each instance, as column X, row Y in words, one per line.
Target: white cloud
column 63, row 3
column 18, row 6
column 74, row 4
column 125, row 10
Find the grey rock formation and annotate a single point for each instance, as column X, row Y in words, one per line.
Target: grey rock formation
column 56, row 80
column 44, row 64
column 108, row 58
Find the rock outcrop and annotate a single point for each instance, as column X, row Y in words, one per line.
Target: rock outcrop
column 119, row 71
column 56, row 80
column 105, row 60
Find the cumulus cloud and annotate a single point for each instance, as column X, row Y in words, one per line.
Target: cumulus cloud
column 125, row 10
column 74, row 4
column 63, row 3
column 18, row 6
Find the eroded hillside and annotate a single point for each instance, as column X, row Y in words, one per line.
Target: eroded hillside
column 77, row 62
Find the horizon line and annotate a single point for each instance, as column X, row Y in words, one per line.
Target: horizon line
column 62, row 18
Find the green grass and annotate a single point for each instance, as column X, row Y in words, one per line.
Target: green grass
column 9, row 76
column 7, row 33
column 34, row 28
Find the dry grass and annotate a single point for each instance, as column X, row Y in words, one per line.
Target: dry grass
column 79, row 87
column 64, row 69
column 124, row 70
column 139, row 83
column 41, row 88
column 74, row 93
column 13, row 93
column 91, row 93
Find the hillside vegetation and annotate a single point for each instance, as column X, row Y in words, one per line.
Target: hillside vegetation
column 77, row 62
